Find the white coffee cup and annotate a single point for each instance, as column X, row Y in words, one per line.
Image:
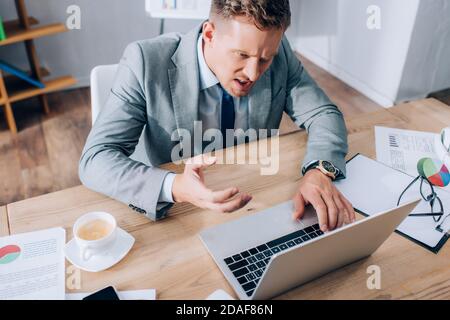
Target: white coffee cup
column 94, row 233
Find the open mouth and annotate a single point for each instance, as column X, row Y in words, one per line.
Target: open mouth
column 243, row 85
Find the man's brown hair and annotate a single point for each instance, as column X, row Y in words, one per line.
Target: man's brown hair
column 266, row 14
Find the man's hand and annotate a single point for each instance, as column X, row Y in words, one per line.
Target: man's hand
column 190, row 187
column 333, row 209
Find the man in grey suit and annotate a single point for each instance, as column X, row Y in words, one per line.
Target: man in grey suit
column 235, row 71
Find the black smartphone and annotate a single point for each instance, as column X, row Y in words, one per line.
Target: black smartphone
column 108, row 293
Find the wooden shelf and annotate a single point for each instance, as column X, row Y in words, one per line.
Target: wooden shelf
column 16, row 34
column 50, row 85
column 12, row 89
column 15, row 24
column 9, row 79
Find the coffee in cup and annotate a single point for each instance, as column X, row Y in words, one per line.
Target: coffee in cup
column 95, row 230
column 94, row 233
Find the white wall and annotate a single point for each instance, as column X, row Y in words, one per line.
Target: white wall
column 334, row 35
column 427, row 67
column 406, row 59
column 107, row 26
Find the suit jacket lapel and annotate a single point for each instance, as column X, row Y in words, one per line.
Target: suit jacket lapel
column 260, row 102
column 185, row 84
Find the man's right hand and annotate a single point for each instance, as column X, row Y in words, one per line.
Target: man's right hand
column 190, row 187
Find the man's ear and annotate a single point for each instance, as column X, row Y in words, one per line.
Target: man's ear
column 208, row 32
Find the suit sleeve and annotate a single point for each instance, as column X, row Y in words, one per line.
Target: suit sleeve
column 105, row 165
column 310, row 108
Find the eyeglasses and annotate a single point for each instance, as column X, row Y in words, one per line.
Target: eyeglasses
column 428, row 194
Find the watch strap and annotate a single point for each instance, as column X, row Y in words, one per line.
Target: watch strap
column 316, row 163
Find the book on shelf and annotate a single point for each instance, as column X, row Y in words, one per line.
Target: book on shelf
column 2, row 30
column 21, row 74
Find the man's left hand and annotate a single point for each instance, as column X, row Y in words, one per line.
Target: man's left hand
column 333, row 209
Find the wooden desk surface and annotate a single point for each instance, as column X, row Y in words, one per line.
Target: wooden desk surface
column 169, row 256
column 4, row 224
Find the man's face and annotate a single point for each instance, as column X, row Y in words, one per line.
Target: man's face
column 238, row 53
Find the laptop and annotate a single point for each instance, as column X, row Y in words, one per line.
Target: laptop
column 268, row 253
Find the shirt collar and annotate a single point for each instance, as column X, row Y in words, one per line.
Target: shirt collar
column 207, row 78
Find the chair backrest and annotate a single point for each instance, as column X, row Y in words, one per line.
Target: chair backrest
column 102, row 78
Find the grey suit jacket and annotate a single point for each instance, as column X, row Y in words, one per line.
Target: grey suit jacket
column 156, row 91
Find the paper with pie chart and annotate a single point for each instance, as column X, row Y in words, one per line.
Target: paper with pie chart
column 32, row 265
column 402, row 149
column 9, row 253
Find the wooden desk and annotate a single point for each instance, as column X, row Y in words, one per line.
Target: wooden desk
column 169, row 256
column 4, row 224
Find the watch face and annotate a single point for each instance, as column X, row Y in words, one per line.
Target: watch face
column 328, row 166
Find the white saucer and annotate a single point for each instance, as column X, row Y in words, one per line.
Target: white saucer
column 122, row 245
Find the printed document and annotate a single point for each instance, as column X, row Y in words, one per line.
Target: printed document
column 32, row 265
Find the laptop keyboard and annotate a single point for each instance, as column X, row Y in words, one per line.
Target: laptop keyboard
column 249, row 265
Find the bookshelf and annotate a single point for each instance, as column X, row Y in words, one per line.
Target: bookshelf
column 25, row 29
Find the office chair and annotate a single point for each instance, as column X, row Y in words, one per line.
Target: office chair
column 102, row 79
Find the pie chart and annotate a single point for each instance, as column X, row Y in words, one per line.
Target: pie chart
column 9, row 253
column 435, row 171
